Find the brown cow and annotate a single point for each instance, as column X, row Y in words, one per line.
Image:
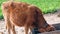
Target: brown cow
column 23, row 14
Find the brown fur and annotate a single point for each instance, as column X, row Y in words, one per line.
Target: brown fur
column 23, row 14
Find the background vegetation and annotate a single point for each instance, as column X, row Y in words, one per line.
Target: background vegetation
column 47, row 6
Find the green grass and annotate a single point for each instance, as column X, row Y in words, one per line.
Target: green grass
column 47, row 6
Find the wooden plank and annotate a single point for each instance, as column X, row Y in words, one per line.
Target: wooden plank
column 53, row 32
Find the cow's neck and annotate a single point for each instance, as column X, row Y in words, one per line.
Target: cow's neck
column 42, row 22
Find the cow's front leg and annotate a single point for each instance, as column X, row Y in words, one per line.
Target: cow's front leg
column 26, row 29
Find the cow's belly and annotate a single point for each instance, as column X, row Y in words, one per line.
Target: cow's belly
column 18, row 19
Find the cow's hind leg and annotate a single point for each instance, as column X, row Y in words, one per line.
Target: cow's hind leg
column 13, row 29
column 8, row 27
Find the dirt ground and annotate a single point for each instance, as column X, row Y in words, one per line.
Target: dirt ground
column 50, row 18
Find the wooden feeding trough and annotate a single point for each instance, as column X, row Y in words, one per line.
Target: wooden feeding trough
column 57, row 31
column 53, row 32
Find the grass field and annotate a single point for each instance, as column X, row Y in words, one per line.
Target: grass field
column 47, row 6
